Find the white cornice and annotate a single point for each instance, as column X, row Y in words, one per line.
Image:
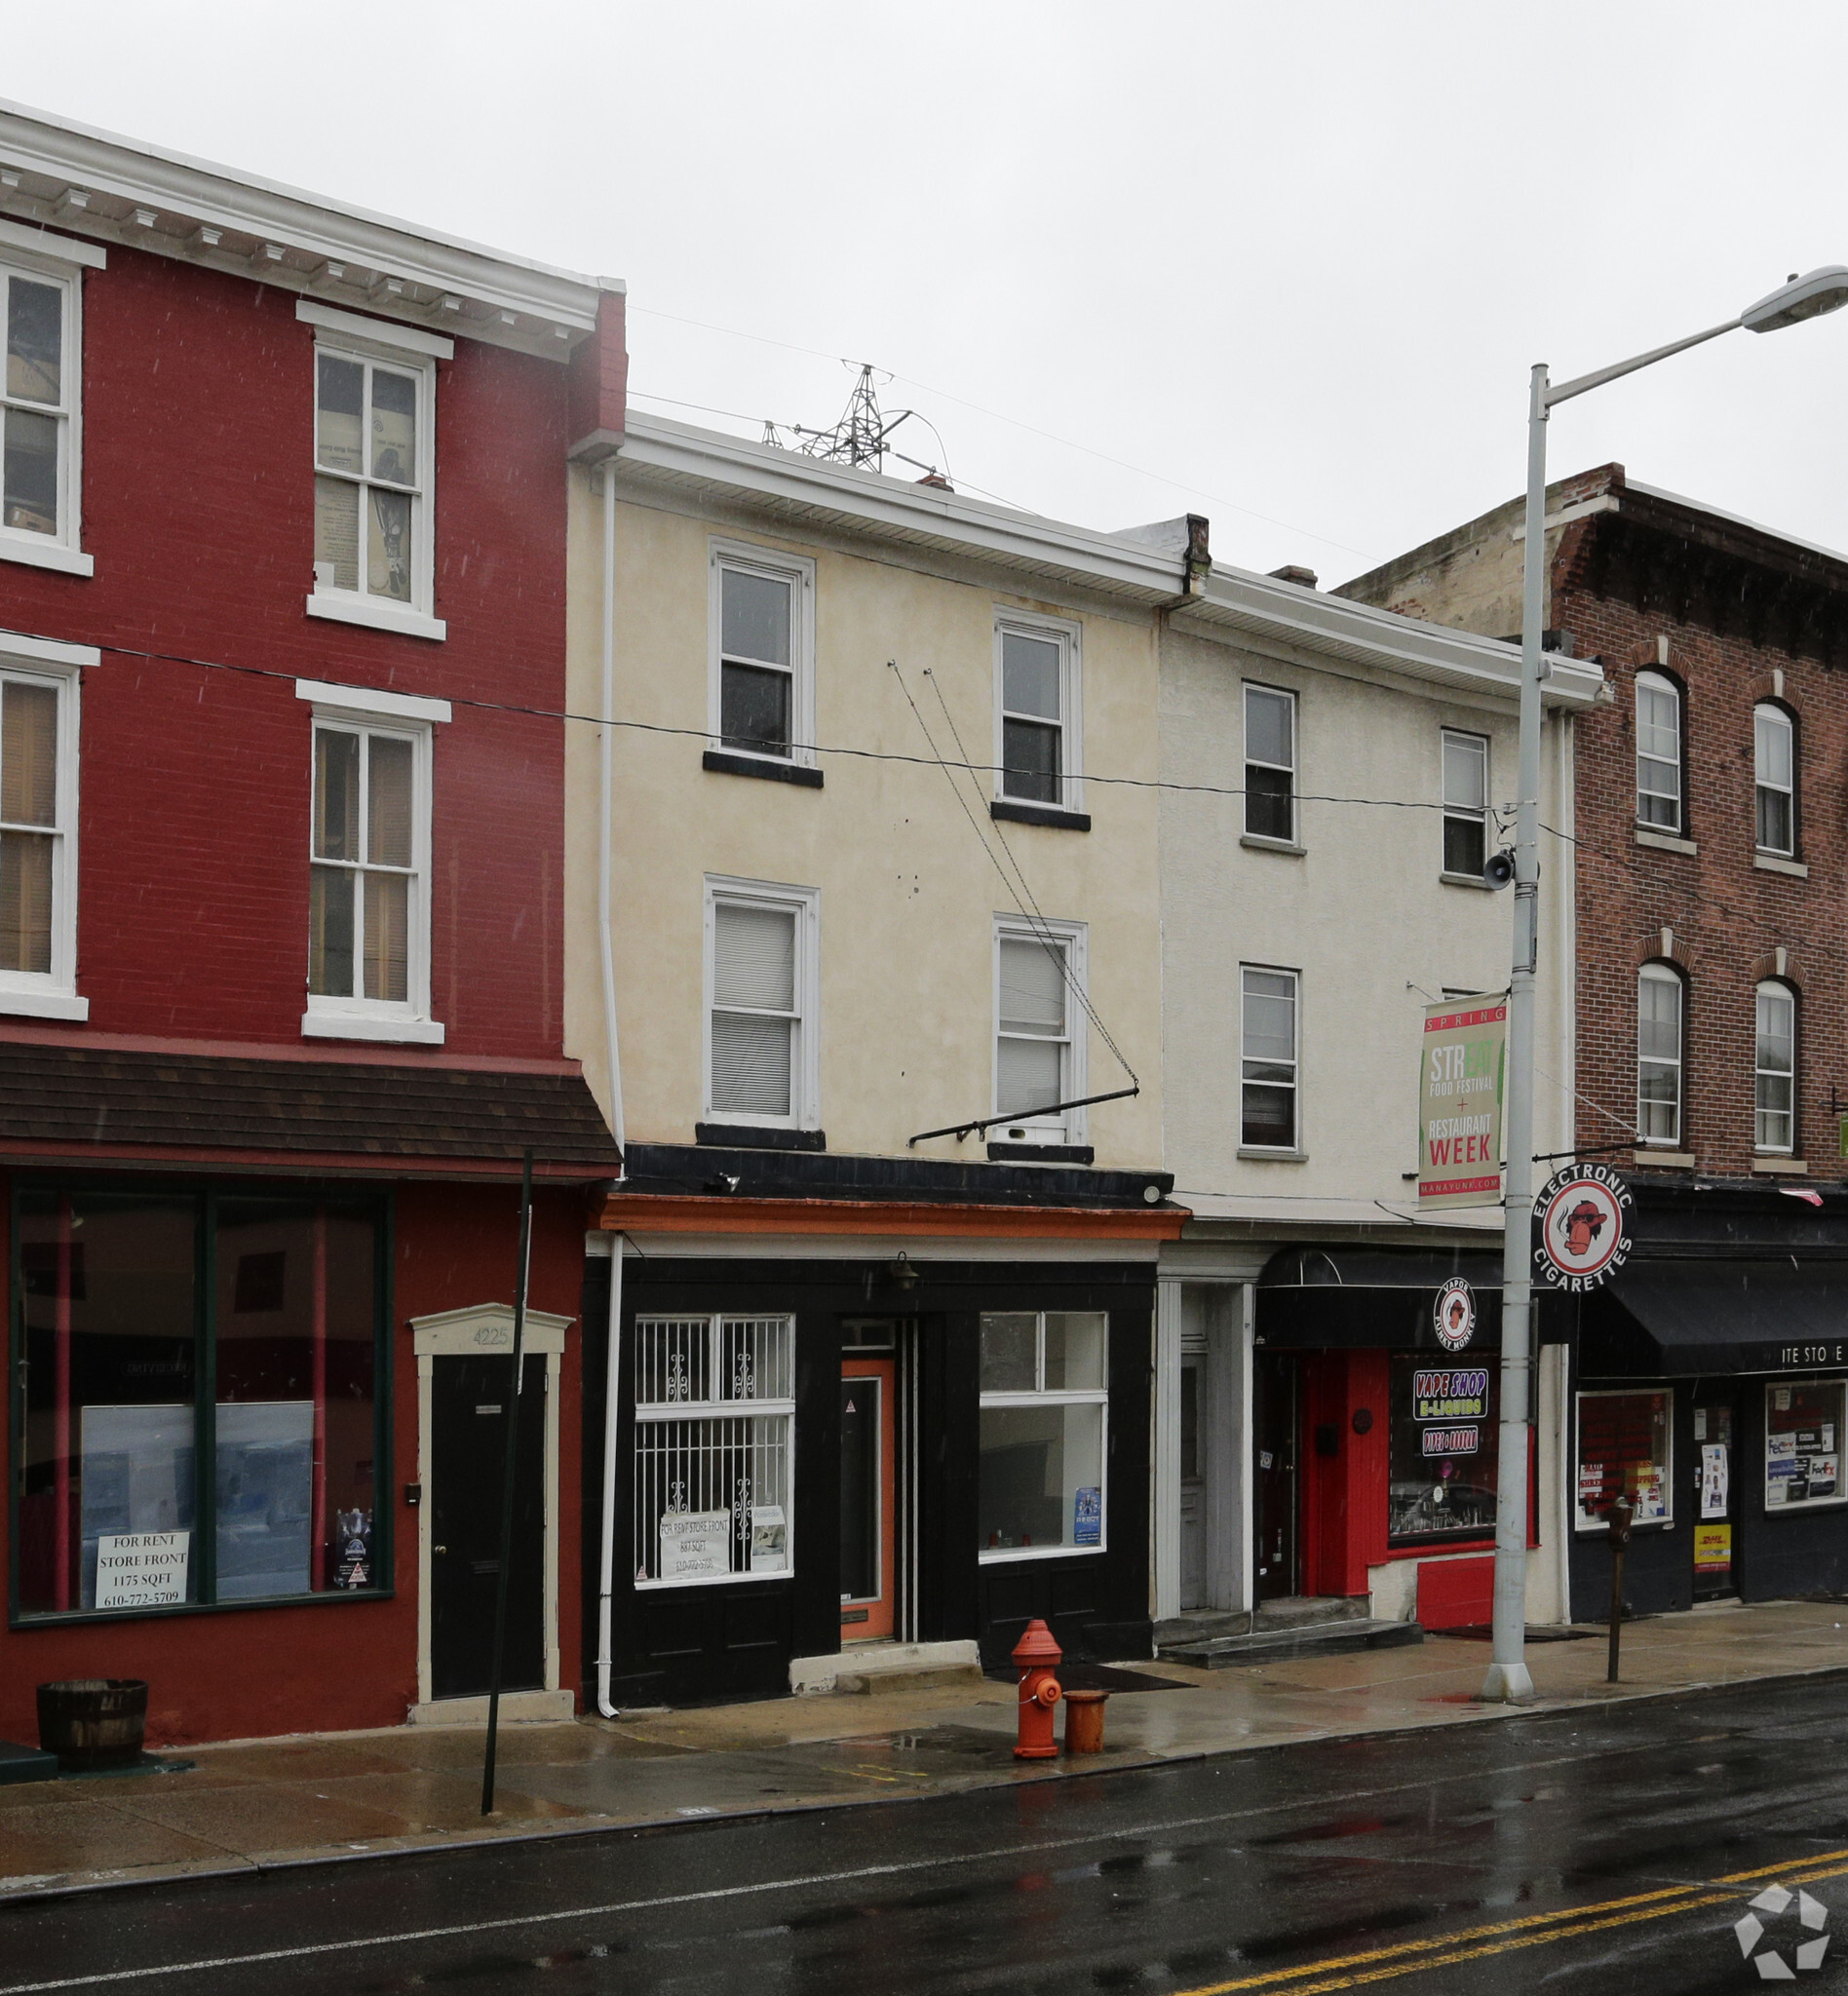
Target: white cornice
column 94, row 184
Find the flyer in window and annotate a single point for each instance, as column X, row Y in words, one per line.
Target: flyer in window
column 769, row 1540
column 695, row 1545
column 1087, row 1522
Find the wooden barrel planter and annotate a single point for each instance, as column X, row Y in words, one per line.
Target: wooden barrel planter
column 93, row 1722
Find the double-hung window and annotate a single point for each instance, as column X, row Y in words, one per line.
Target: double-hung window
column 369, row 865
column 1038, row 736
column 714, row 1448
column 1658, row 752
column 762, row 961
column 1270, row 764
column 1774, row 751
column 1465, row 803
column 1659, row 995
column 1039, row 970
column 1044, row 1446
column 38, row 828
column 763, row 667
column 374, row 466
column 1269, row 1117
column 1774, row 1078
column 41, row 300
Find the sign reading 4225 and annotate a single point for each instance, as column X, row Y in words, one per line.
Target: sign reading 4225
column 1581, row 1223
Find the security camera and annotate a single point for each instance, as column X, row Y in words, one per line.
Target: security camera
column 1499, row 873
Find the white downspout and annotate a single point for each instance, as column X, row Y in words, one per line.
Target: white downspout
column 606, row 818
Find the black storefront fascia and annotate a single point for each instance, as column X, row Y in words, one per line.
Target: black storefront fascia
column 1728, row 1289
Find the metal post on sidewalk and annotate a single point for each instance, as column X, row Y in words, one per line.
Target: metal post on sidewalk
column 1619, row 1540
column 509, row 1465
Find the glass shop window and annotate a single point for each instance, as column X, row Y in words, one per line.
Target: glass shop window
column 1625, row 1445
column 1442, row 1450
column 1802, row 1443
column 1045, row 1408
column 124, row 1461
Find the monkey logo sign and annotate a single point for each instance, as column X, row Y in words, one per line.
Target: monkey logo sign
column 1581, row 1227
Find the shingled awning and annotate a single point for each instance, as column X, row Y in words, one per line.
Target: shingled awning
column 116, row 1105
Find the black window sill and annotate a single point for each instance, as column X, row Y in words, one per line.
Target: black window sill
column 1039, row 813
column 748, row 1136
column 1042, row 1153
column 24, row 1619
column 762, row 765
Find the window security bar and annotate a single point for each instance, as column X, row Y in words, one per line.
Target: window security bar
column 959, row 1130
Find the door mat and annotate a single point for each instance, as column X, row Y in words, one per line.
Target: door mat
column 1484, row 1632
column 1076, row 1674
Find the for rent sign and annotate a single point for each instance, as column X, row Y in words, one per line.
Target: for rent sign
column 1460, row 1103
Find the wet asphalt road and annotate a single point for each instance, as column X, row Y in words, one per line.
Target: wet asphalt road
column 1594, row 1853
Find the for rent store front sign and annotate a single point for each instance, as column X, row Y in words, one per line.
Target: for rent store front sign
column 1460, row 1103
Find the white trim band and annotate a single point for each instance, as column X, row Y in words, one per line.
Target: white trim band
column 404, row 707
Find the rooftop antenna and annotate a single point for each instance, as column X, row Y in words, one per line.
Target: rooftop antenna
column 859, row 438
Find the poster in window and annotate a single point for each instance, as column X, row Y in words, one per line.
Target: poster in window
column 1623, row 1451
column 769, row 1539
column 141, row 1570
column 1087, row 1517
column 695, row 1545
column 1802, row 1431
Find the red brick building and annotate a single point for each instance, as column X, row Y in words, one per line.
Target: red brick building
column 1708, row 859
column 281, row 656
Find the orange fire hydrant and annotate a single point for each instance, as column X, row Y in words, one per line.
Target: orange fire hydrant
column 1034, row 1656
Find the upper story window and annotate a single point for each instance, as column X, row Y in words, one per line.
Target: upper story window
column 1268, row 1117
column 1039, row 1050
column 1658, row 752
column 762, row 669
column 762, row 949
column 41, row 489
column 1774, row 1092
column 38, row 835
column 1270, row 763
column 1774, row 750
column 1039, row 738
column 368, row 879
column 1465, row 803
column 375, row 463
column 1659, row 1010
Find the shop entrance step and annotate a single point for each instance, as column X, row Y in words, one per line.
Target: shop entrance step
column 1292, row 1611
column 1270, row 1645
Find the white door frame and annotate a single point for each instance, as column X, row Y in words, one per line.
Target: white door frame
column 479, row 1330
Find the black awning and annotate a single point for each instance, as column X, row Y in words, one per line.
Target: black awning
column 1681, row 1318
column 1311, row 1297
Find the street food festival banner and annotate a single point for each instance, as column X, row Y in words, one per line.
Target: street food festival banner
column 1460, row 1103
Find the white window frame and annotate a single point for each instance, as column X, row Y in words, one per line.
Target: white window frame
column 1773, row 987
column 407, row 350
column 356, row 710
column 1769, row 710
column 657, row 1414
column 1660, row 973
column 1097, row 1397
column 45, row 259
column 1659, row 683
column 800, row 572
column 1293, row 767
column 1069, row 636
column 1068, row 1128
column 1470, row 814
column 53, row 993
column 805, row 1088
column 1275, row 1150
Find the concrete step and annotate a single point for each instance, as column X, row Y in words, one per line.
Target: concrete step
column 1301, row 1611
column 1278, row 1645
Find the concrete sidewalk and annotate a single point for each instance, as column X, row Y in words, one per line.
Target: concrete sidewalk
column 329, row 1797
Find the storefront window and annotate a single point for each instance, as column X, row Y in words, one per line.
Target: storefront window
column 1044, row 1408
column 1802, row 1443
column 1624, row 1444
column 714, row 1425
column 123, row 1458
column 1442, row 1450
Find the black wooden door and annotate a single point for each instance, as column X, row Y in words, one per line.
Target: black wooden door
column 468, row 1443
column 1274, row 1474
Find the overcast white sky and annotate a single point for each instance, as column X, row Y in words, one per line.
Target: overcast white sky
column 1289, row 261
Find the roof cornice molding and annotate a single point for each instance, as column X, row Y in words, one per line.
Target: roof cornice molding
column 92, row 183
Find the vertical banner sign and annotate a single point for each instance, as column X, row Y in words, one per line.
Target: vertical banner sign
column 1460, row 1103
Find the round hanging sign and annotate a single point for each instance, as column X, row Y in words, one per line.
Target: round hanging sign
column 1454, row 1314
column 1582, row 1227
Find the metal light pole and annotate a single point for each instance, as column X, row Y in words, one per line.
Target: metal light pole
column 1805, row 298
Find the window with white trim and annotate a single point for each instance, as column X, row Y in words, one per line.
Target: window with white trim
column 38, row 409
column 763, row 946
column 1774, row 753
column 38, row 835
column 1269, row 1065
column 374, row 468
column 368, row 894
column 1658, row 752
column 1045, row 1408
column 1039, row 1047
column 1270, row 763
column 1465, row 803
column 1774, row 1069
column 1660, row 1022
column 762, row 666
column 714, row 1448
column 1038, row 737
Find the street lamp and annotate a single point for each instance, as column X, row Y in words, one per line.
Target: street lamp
column 1798, row 298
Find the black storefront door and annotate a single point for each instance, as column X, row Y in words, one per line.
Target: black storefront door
column 1715, row 1508
column 468, row 1443
column 1274, row 1427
